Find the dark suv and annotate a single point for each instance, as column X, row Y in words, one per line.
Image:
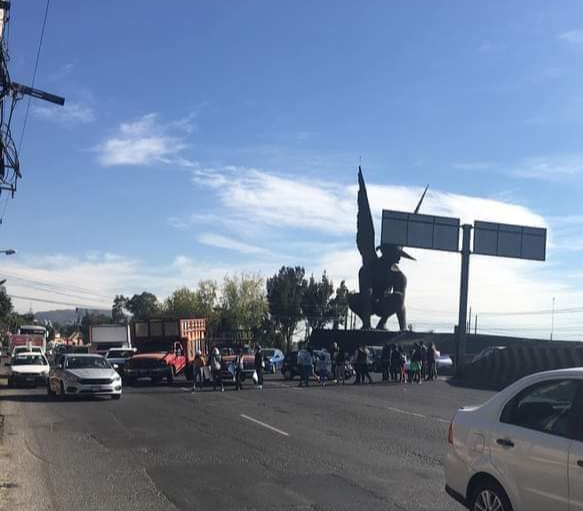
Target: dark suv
column 290, row 368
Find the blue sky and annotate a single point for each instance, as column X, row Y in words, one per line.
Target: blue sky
column 200, row 138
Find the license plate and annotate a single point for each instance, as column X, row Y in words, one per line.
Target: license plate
column 96, row 388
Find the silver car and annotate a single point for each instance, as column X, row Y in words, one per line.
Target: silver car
column 79, row 374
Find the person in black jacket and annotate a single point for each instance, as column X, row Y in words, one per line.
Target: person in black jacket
column 259, row 365
column 386, row 360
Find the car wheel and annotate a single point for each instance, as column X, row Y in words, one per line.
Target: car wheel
column 116, row 396
column 489, row 496
column 288, row 375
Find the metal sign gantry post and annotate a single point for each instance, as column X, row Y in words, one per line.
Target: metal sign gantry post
column 442, row 233
column 464, row 289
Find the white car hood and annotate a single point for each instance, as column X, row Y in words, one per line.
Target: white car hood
column 93, row 373
column 29, row 369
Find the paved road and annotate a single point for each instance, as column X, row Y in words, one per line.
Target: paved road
column 371, row 447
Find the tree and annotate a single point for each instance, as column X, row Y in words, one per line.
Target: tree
column 118, row 315
column 285, row 292
column 268, row 333
column 144, row 306
column 316, row 304
column 183, row 303
column 243, row 302
column 340, row 305
column 5, row 305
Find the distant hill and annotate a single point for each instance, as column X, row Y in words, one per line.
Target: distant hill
column 67, row 316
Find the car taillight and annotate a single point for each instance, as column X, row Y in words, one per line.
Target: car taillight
column 450, row 433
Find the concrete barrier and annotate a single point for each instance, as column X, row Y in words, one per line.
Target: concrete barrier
column 504, row 367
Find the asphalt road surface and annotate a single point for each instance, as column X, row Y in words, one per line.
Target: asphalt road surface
column 370, row 447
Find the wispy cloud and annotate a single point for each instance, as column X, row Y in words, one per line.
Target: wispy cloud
column 572, row 36
column 146, row 141
column 479, row 165
column 69, row 114
column 219, row 241
column 546, row 168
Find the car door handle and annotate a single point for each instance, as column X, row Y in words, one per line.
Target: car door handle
column 505, row 442
column 580, row 463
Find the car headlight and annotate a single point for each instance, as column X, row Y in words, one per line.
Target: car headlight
column 71, row 377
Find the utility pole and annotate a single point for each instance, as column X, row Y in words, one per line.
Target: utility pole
column 463, row 311
column 10, row 93
column 476, row 324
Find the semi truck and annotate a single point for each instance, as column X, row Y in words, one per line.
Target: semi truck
column 104, row 337
column 165, row 348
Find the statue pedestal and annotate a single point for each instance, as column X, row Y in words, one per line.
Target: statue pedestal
column 349, row 340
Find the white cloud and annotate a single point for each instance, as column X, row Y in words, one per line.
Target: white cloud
column 572, row 36
column 480, row 165
column 219, row 241
column 146, row 141
column 69, row 114
column 547, row 168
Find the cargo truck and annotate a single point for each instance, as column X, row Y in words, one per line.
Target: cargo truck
column 104, row 337
column 165, row 348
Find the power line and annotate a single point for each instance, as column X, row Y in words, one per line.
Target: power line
column 56, row 285
column 101, row 306
column 40, row 43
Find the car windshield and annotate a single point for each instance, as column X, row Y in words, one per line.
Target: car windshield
column 87, row 363
column 119, row 354
column 29, row 360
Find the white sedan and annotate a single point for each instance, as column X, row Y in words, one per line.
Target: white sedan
column 80, row 374
column 28, row 368
column 523, row 449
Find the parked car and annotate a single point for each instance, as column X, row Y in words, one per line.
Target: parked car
column 28, row 368
column 289, row 367
column 486, row 352
column 523, row 449
column 444, row 364
column 84, row 374
column 273, row 359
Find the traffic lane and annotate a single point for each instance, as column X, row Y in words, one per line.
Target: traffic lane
column 316, row 454
column 81, row 472
column 190, row 448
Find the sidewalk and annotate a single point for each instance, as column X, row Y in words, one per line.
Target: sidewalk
column 23, row 475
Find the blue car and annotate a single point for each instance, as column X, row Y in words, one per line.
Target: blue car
column 273, row 359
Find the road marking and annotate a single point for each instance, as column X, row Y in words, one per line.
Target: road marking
column 264, row 425
column 413, row 414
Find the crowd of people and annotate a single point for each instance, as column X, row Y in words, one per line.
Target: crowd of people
column 414, row 364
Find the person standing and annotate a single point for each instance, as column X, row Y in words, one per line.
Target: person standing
column 424, row 365
column 431, row 362
column 356, row 364
column 198, row 367
column 402, row 365
column 238, row 363
column 363, row 358
column 333, row 353
column 340, row 366
column 386, row 360
column 216, row 363
column 306, row 363
column 259, row 365
column 416, row 364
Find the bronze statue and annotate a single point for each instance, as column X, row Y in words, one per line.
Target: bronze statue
column 381, row 282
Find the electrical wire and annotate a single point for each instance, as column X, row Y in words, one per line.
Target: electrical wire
column 40, row 43
column 30, row 298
